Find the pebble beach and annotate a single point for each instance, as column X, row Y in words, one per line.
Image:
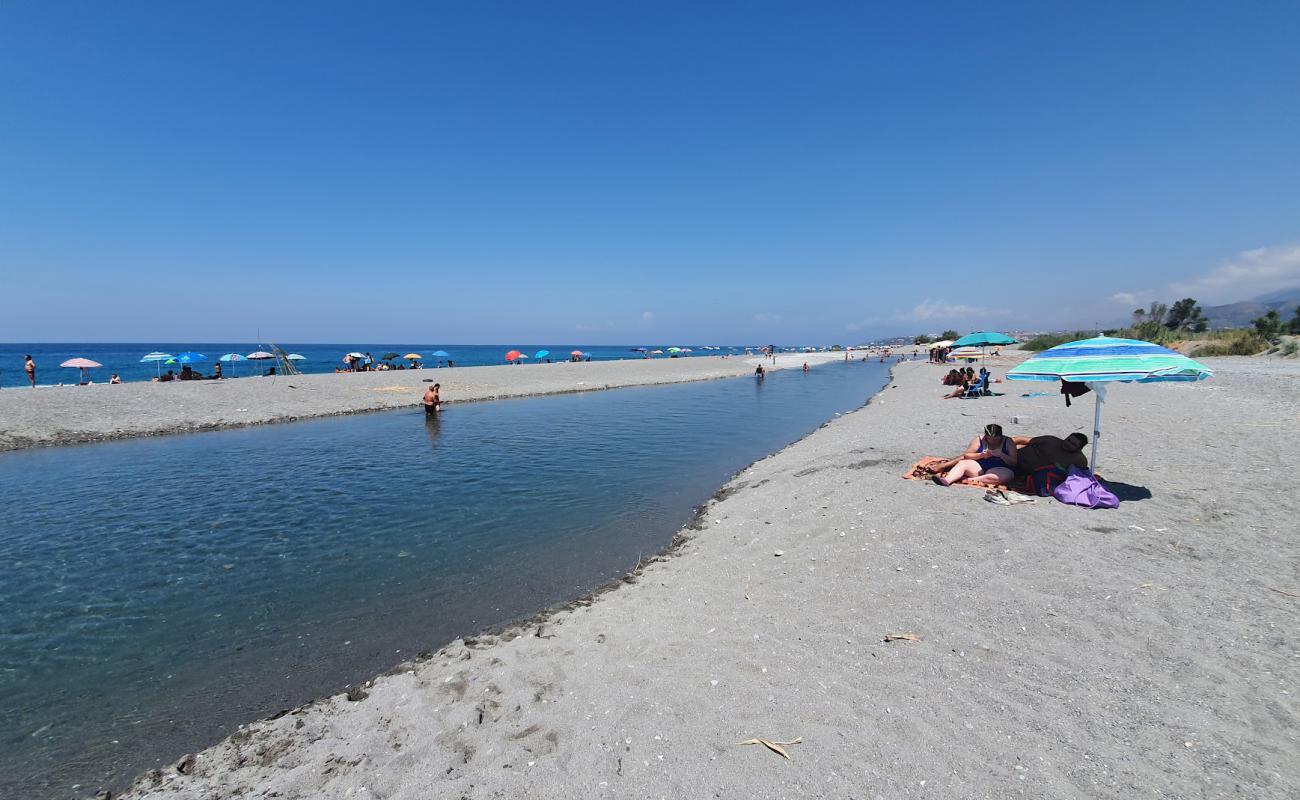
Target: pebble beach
column 889, row 638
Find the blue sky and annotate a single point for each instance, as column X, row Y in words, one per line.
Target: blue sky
column 617, row 172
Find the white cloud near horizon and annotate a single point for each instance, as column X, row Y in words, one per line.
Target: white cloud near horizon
column 1129, row 299
column 940, row 310
column 1248, row 274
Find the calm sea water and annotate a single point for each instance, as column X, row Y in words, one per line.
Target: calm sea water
column 157, row 592
column 124, row 359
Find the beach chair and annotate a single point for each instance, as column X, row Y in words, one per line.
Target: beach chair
column 980, row 388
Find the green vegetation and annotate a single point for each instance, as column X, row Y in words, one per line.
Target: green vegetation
column 949, row 334
column 1271, row 326
column 1231, row 343
column 922, row 339
column 1185, row 322
column 1053, row 339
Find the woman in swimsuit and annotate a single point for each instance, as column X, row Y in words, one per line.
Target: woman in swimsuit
column 989, row 459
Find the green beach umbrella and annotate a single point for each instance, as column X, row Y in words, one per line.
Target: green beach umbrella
column 1103, row 359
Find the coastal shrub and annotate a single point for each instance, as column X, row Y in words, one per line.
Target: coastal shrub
column 1232, row 343
column 1047, row 340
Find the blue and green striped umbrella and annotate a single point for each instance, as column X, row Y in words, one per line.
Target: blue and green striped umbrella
column 1103, row 359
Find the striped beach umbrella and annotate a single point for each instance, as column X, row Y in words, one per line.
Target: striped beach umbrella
column 157, row 358
column 1104, row 359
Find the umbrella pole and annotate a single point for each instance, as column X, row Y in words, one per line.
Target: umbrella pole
column 1096, row 424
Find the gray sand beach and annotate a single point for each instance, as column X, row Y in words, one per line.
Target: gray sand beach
column 55, row 415
column 1149, row 651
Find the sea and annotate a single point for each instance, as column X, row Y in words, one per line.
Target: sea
column 123, row 359
column 159, row 592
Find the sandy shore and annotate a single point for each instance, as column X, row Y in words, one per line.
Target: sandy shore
column 67, row 414
column 1149, row 651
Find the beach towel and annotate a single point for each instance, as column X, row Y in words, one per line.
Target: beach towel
column 918, row 473
column 1083, row 489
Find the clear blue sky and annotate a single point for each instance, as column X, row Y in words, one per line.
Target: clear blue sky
column 619, row 172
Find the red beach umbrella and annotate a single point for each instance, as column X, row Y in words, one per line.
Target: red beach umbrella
column 513, row 355
column 576, row 353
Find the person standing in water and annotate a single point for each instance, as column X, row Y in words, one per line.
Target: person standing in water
column 432, row 402
column 29, row 367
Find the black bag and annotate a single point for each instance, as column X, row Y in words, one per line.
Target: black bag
column 1073, row 389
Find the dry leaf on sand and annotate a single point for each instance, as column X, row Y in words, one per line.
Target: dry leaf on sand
column 775, row 747
column 907, row 637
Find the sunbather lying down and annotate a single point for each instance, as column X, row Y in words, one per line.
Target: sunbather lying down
column 993, row 459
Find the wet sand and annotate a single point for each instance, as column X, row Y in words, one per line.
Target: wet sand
column 1149, row 651
column 54, row 415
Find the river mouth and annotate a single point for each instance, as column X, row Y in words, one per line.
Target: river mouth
column 160, row 592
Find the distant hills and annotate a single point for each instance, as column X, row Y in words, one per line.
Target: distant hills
column 1241, row 314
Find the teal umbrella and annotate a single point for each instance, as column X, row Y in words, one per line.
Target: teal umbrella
column 983, row 339
column 1104, row 359
column 542, row 354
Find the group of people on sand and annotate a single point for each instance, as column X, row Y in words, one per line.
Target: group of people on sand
column 963, row 379
column 993, row 458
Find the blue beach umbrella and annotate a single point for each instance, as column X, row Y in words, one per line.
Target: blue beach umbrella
column 1103, row 359
column 541, row 354
column 157, row 358
column 440, row 354
column 190, row 358
column 296, row 357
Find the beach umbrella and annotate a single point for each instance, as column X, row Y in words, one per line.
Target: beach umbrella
column 656, row 352
column 389, row 356
column 260, row 355
column 412, row 356
column 81, row 364
column 231, row 358
column 190, row 358
column 296, row 357
column 637, row 350
column 575, row 353
column 674, row 349
column 1102, row 360
column 514, row 355
column 157, row 358
column 441, row 354
column 966, row 352
column 983, row 339
column 542, row 354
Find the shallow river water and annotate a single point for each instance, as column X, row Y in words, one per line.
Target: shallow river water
column 159, row 592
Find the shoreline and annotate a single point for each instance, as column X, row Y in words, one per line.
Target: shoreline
column 667, row 676
column 57, row 416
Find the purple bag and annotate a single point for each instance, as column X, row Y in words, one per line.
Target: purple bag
column 1082, row 489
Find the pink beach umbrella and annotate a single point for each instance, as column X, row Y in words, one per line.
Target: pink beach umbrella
column 82, row 364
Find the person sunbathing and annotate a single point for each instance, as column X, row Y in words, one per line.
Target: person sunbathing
column 1036, row 452
column 989, row 459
